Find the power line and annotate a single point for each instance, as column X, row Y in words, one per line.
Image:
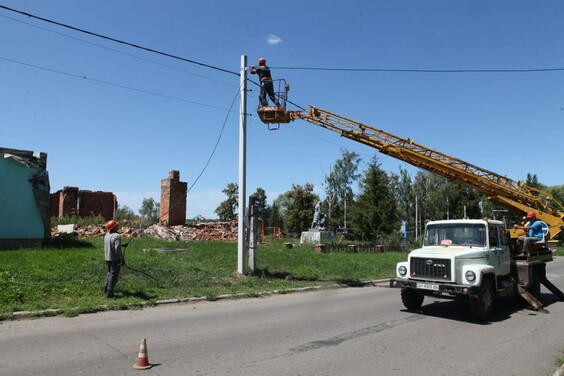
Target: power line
column 118, row 40
column 118, row 51
column 113, row 84
column 375, row 70
column 386, row 70
column 208, row 161
column 216, row 143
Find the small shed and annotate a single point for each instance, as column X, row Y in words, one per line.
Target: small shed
column 24, row 199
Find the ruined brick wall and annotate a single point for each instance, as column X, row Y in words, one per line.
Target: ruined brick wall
column 92, row 204
column 64, row 202
column 54, row 204
column 173, row 200
column 71, row 201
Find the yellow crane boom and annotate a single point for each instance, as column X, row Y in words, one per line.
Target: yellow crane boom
column 513, row 195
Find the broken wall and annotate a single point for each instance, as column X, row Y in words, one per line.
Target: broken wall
column 91, row 204
column 24, row 199
column 71, row 201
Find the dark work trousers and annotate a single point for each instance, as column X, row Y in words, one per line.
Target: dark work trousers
column 266, row 87
column 112, row 277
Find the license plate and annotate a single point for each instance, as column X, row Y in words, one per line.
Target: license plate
column 427, row 286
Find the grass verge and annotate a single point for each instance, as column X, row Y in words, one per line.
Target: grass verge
column 67, row 278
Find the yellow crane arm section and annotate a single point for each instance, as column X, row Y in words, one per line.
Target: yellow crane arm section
column 510, row 194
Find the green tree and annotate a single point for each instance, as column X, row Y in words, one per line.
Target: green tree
column 440, row 198
column 463, row 201
column 428, row 189
column 405, row 198
column 150, row 210
column 533, row 181
column 557, row 191
column 227, row 209
column 276, row 218
column 125, row 213
column 375, row 211
column 282, row 202
column 338, row 190
column 262, row 205
column 299, row 213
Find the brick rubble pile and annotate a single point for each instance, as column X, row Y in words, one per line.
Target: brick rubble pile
column 223, row 231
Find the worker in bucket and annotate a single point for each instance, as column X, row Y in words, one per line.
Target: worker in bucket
column 114, row 257
column 266, row 85
column 535, row 232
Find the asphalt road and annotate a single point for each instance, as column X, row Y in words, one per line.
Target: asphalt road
column 352, row 331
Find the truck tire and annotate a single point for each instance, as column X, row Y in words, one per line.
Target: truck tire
column 411, row 299
column 481, row 304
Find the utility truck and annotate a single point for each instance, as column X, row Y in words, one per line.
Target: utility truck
column 470, row 259
column 473, row 260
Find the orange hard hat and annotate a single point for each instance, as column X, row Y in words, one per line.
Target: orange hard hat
column 262, row 61
column 531, row 214
column 111, row 224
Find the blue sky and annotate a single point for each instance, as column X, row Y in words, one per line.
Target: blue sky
column 115, row 118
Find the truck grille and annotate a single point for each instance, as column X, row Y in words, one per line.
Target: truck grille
column 433, row 268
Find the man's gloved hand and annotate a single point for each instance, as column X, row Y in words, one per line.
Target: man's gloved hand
column 122, row 261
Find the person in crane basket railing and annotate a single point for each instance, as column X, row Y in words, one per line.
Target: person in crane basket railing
column 266, row 86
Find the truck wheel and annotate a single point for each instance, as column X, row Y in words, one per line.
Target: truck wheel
column 481, row 304
column 411, row 299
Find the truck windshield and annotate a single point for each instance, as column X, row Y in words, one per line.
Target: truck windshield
column 471, row 234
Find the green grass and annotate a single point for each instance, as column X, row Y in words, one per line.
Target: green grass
column 68, row 276
column 560, row 359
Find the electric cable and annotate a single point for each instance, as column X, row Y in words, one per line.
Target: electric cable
column 118, row 40
column 392, row 70
column 387, row 70
column 118, row 51
column 161, row 215
column 113, row 84
column 216, row 143
column 124, row 246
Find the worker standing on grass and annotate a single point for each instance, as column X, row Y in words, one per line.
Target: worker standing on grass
column 113, row 256
column 266, row 85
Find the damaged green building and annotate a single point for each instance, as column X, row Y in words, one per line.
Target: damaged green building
column 24, row 199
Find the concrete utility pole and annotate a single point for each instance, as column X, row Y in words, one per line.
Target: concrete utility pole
column 241, row 244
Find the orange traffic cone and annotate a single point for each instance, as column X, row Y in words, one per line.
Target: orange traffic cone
column 142, row 361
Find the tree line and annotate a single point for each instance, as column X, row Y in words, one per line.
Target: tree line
column 385, row 207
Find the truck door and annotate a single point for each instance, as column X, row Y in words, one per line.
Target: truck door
column 499, row 250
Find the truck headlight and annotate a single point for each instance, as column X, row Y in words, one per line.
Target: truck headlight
column 470, row 276
column 402, row 270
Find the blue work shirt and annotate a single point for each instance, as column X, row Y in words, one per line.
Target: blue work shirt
column 536, row 230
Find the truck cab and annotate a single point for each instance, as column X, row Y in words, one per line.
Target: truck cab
column 467, row 258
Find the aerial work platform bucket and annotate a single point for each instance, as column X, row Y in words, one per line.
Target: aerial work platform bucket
column 276, row 114
column 273, row 115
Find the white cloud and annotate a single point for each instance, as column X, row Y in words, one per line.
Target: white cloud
column 273, row 39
